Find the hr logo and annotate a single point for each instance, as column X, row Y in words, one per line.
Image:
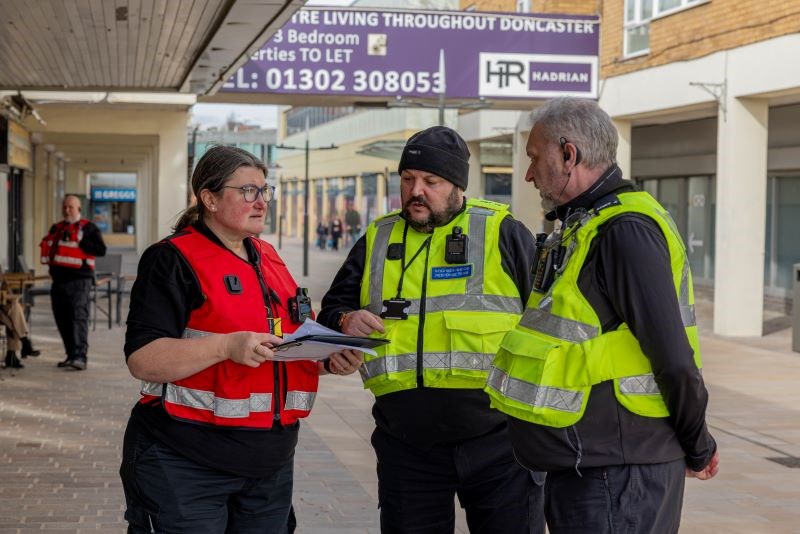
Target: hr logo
column 504, row 72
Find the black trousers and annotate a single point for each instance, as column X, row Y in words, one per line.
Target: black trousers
column 167, row 493
column 635, row 499
column 70, row 302
column 417, row 488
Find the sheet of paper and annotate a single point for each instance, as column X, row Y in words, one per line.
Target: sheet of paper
column 310, row 349
column 308, row 328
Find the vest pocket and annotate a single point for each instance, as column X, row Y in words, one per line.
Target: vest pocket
column 473, row 341
column 534, row 379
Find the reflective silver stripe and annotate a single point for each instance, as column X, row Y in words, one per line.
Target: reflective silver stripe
column 467, row 361
column 477, row 243
column 300, row 400
column 687, row 310
column 534, row 395
column 688, row 316
column 152, row 388
column 376, row 263
column 388, row 364
column 205, row 400
column 478, row 303
column 683, row 297
column 639, row 385
column 71, row 260
column 68, row 244
column 558, row 327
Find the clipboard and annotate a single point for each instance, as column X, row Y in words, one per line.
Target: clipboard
column 321, row 346
column 348, row 342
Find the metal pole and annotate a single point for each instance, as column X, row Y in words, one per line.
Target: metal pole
column 443, row 86
column 441, row 109
column 192, row 151
column 386, row 190
column 305, row 210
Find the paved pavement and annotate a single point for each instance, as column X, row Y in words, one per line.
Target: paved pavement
column 61, row 434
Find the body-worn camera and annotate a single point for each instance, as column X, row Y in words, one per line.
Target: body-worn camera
column 300, row 305
column 546, row 261
column 455, row 250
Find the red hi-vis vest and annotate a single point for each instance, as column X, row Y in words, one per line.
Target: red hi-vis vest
column 237, row 297
column 66, row 252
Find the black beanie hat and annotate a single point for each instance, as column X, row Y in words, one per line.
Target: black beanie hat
column 438, row 150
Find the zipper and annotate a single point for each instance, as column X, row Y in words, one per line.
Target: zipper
column 277, row 367
column 421, row 326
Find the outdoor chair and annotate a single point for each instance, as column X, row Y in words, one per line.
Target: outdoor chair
column 107, row 283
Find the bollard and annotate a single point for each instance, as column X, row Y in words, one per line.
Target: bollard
column 796, row 309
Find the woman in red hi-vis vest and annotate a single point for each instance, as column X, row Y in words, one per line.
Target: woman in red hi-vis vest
column 209, row 448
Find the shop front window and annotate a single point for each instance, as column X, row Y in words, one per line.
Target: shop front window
column 113, row 202
column 691, row 202
column 782, row 247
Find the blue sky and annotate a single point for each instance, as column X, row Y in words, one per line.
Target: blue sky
column 208, row 115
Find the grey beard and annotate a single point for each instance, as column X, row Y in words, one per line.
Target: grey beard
column 548, row 204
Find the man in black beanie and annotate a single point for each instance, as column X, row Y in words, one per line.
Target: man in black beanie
column 443, row 279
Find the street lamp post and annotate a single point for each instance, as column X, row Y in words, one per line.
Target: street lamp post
column 307, row 149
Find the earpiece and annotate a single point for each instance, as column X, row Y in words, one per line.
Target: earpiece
column 578, row 156
column 563, row 142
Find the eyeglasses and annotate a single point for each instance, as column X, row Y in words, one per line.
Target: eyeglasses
column 250, row 192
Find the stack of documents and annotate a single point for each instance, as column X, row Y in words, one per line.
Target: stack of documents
column 312, row 341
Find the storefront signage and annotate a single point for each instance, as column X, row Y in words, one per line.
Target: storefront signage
column 100, row 194
column 18, row 151
column 399, row 53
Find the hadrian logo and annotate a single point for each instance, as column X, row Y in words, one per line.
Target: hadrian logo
column 537, row 75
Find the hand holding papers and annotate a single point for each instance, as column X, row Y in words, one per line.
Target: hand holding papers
column 312, row 341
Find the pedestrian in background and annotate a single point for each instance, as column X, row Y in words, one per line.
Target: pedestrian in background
column 601, row 377
column 336, row 231
column 322, row 235
column 352, row 222
column 443, row 280
column 209, row 448
column 69, row 249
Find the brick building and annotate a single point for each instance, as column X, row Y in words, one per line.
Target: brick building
column 706, row 95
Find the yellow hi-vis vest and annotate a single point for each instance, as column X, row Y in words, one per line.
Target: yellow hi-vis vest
column 547, row 365
column 458, row 313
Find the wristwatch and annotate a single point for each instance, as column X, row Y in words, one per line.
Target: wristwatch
column 340, row 320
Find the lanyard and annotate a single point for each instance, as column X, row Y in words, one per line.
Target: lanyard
column 403, row 265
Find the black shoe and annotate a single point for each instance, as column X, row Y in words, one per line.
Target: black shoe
column 79, row 364
column 27, row 348
column 65, row 363
column 12, row 362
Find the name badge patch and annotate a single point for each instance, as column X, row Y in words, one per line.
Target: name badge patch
column 456, row 271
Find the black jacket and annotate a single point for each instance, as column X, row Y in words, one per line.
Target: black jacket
column 427, row 416
column 627, row 279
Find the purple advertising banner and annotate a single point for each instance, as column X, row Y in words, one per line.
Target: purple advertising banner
column 400, row 53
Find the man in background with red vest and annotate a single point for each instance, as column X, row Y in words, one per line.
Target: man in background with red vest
column 70, row 249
